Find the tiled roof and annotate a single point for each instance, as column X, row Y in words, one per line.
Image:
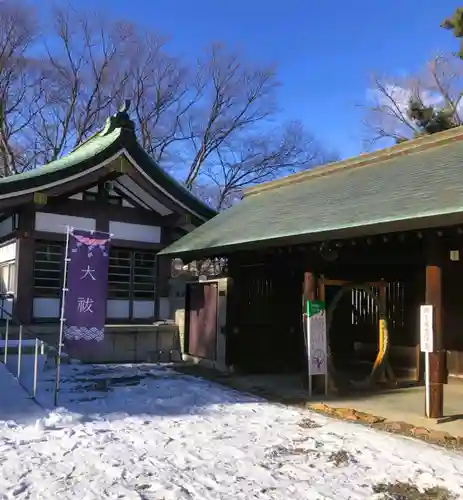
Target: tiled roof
column 416, row 180
column 118, row 136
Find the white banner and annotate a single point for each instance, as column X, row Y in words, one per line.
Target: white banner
column 316, row 338
column 426, row 328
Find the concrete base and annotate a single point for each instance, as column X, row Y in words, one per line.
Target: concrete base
column 402, row 405
column 408, row 405
column 122, row 344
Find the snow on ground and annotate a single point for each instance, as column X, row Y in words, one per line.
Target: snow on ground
column 16, row 404
column 148, row 432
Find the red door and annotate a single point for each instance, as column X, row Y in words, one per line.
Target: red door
column 202, row 320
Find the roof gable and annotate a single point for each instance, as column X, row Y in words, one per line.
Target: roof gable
column 97, row 155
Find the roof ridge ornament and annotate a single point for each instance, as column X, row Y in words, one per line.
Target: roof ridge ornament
column 121, row 119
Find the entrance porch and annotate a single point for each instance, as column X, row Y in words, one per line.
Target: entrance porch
column 375, row 237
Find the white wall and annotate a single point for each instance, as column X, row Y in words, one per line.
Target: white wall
column 115, row 309
column 6, row 227
column 55, row 223
column 8, row 307
column 120, row 309
column 143, row 309
column 46, row 307
column 135, row 232
column 8, row 252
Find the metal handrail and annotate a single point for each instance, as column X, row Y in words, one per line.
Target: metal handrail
column 25, row 333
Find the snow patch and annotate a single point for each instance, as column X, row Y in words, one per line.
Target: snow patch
column 170, row 436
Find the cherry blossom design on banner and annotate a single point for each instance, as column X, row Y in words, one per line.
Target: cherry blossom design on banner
column 87, row 288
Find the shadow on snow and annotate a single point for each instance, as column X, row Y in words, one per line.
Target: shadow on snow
column 111, row 390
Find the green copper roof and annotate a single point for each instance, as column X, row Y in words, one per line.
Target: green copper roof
column 117, row 135
column 89, row 149
column 401, row 187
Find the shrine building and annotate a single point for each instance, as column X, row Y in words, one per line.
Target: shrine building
column 108, row 183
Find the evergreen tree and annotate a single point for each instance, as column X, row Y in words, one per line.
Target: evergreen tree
column 455, row 24
column 428, row 118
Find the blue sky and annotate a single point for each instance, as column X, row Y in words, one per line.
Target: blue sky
column 325, row 49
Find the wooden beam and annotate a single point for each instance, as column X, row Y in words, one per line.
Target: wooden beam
column 40, row 198
column 106, row 210
column 138, row 245
column 375, row 284
column 74, row 186
column 433, row 296
column 120, row 165
column 321, row 289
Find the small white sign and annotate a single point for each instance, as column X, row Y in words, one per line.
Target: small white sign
column 454, row 255
column 427, row 328
column 316, row 342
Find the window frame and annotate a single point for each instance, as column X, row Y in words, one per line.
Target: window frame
column 137, row 290
column 137, row 260
column 38, row 290
column 11, row 286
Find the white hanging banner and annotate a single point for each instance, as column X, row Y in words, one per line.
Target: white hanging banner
column 427, row 328
column 427, row 346
column 316, row 333
column 316, row 342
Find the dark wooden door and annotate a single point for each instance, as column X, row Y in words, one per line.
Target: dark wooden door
column 202, row 320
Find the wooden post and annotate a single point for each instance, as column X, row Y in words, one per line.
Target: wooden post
column 433, row 296
column 25, row 257
column 329, row 385
column 309, row 293
column 310, row 288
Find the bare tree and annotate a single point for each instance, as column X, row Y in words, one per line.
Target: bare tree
column 187, row 112
column 259, row 158
column 84, row 76
column 92, row 66
column 438, row 85
column 20, row 78
column 236, row 98
column 213, row 123
column 210, row 121
column 163, row 92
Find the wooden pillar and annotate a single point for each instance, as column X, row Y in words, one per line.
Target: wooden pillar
column 309, row 293
column 163, row 274
column 433, row 296
column 25, row 267
column 310, row 286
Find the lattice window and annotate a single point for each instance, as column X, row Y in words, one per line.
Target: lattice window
column 48, row 269
column 144, row 275
column 120, row 268
column 132, row 274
